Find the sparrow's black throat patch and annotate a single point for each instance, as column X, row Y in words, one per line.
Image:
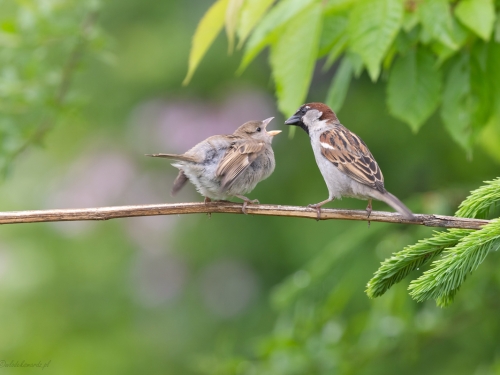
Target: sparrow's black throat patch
column 296, row 120
column 303, row 126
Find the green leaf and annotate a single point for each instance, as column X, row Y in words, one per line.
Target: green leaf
column 263, row 34
column 251, row 12
column 357, row 63
column 406, row 41
column 336, row 50
column 410, row 20
column 337, row 5
column 497, row 29
column 340, row 85
column 477, row 15
column 442, row 52
column 455, row 111
column 436, row 19
column 206, row 32
column 293, row 58
column 414, row 88
column 490, row 138
column 389, row 57
column 468, row 97
column 481, row 82
column 232, row 16
column 494, row 76
column 334, row 27
column 373, row 25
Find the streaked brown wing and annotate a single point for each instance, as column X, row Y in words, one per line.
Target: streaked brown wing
column 350, row 155
column 237, row 158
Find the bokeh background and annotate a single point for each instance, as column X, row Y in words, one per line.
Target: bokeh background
column 230, row 294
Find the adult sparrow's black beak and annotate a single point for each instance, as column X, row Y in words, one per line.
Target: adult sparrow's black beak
column 294, row 120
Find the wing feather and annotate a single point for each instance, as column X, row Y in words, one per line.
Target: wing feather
column 351, row 156
column 236, row 160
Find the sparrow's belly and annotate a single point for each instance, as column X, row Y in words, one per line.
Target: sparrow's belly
column 205, row 181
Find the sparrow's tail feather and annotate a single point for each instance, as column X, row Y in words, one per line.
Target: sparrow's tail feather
column 179, row 182
column 173, row 156
column 395, row 203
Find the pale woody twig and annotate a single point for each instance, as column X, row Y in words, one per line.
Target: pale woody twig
column 106, row 213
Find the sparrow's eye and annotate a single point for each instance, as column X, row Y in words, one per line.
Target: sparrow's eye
column 259, row 129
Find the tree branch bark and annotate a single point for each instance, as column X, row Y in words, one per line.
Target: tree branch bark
column 106, row 213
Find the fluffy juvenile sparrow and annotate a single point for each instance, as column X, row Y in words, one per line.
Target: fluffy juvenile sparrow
column 348, row 167
column 224, row 166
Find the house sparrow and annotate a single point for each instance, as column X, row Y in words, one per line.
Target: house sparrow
column 224, row 166
column 348, row 167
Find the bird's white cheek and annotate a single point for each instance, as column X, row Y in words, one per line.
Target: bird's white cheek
column 327, row 145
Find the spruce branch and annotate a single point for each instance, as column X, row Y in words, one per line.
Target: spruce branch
column 480, row 201
column 447, row 274
column 397, row 267
column 464, row 252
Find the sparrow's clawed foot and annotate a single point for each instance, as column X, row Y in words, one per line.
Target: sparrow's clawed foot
column 317, row 207
column 369, row 210
column 246, row 201
column 208, row 200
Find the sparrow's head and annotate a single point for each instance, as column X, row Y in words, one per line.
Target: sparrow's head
column 307, row 115
column 257, row 130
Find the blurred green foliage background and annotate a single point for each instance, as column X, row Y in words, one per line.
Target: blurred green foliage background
column 232, row 294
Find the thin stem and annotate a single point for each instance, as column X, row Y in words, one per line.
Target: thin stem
column 68, row 71
column 106, row 213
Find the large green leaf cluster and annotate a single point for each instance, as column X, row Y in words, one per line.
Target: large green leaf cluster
column 432, row 53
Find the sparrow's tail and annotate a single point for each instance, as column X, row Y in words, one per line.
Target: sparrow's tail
column 395, row 203
column 173, row 156
column 179, row 182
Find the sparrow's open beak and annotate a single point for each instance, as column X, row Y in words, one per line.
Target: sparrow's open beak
column 274, row 132
column 293, row 120
column 266, row 122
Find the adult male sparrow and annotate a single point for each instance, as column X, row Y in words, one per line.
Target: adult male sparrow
column 224, row 166
column 348, row 167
